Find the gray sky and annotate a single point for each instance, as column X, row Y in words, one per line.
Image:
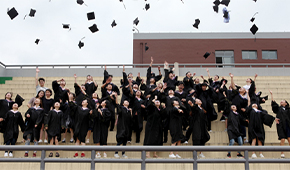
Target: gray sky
column 115, row 45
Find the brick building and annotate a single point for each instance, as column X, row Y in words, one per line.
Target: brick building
column 225, row 48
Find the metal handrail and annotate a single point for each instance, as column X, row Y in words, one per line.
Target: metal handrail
column 146, row 65
column 143, row 149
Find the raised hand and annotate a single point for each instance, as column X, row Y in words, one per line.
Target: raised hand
column 271, row 92
column 277, row 120
column 190, row 103
column 37, row 70
column 75, row 76
column 207, row 70
column 151, row 59
column 231, row 75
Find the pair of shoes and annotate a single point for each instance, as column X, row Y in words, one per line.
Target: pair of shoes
column 26, row 154
column 124, row 156
column 282, row 156
column 201, row 155
column 177, row 156
column 105, row 155
column 116, row 155
column 83, row 155
column 88, row 141
column 98, row 155
column 10, row 154
column 76, row 155
column 186, row 142
column 261, row 156
column 71, row 140
column 45, row 141
column 229, row 155
column 240, row 155
column 172, row 156
column 6, row 154
column 34, row 154
column 40, row 141
column 56, row 154
column 129, row 141
column 255, row 156
column 63, row 141
column 50, row 155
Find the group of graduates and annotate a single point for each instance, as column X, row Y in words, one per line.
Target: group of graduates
column 168, row 105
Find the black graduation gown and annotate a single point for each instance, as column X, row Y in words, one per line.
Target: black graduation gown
column 123, row 124
column 55, row 122
column 200, row 134
column 175, row 125
column 206, row 99
column 150, row 75
column 82, row 118
column 12, row 121
column 188, row 83
column 90, row 89
column 171, row 83
column 36, row 118
column 234, row 122
column 47, row 104
column 59, row 93
column 5, row 106
column 135, row 104
column 239, row 101
column 256, row 124
column 101, row 125
column 283, row 114
column 114, row 87
column 153, row 129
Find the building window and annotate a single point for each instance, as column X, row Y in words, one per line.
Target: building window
column 249, row 55
column 269, row 55
column 224, row 57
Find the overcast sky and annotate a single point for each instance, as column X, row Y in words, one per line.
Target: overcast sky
column 115, row 45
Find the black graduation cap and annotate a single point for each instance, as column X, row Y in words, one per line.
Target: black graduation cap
column 136, row 21
column 266, row 97
column 197, row 21
column 65, row 26
column 206, row 55
column 80, row 2
column 255, row 0
column 225, row 2
column 114, row 24
column 217, row 2
column 32, row 12
column 254, row 29
column 91, row 15
column 253, row 18
column 146, row 47
column 81, row 44
column 147, row 6
column 94, row 28
column 12, row 13
column 19, row 100
column 37, row 41
column 216, row 8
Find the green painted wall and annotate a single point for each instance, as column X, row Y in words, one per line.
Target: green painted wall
column 3, row 79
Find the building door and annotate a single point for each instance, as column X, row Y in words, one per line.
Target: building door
column 224, row 57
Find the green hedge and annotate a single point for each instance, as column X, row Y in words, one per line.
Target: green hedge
column 3, row 79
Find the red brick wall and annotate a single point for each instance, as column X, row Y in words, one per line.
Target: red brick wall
column 192, row 50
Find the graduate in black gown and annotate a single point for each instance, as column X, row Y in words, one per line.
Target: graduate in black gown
column 6, row 105
column 188, row 81
column 69, row 118
column 12, row 121
column 33, row 121
column 47, row 102
column 124, row 114
column 257, row 120
column 90, row 86
column 60, row 92
column 170, row 79
column 234, row 121
column 150, row 75
column 137, row 104
column 283, row 125
column 54, row 122
column 200, row 134
column 82, row 115
column 153, row 129
column 181, row 94
column 175, row 126
column 101, row 116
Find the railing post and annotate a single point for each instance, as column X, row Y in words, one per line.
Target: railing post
column 42, row 163
column 247, row 160
column 195, row 160
column 143, row 157
column 92, row 161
